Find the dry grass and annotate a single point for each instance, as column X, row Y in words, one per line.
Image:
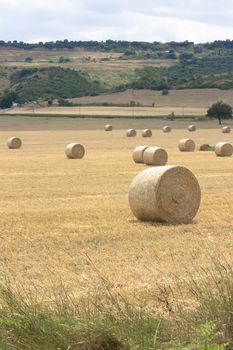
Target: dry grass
column 56, row 213
column 111, row 111
column 189, row 98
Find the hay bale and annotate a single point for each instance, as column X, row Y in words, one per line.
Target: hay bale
column 155, row 156
column 131, row 133
column 167, row 129
column 167, row 193
column 223, row 149
column 14, row 142
column 75, row 151
column 186, row 145
column 108, row 127
column 146, row 133
column 138, row 153
column 226, row 129
column 192, row 128
column 206, row 147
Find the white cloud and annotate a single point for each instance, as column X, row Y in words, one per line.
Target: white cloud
column 149, row 20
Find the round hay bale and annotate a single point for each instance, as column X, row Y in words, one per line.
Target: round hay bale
column 75, row 151
column 155, row 156
column 131, row 133
column 167, row 193
column 206, row 147
column 223, row 149
column 186, row 145
column 167, row 129
column 192, row 128
column 138, row 153
column 226, row 129
column 14, row 143
column 146, row 133
column 108, row 127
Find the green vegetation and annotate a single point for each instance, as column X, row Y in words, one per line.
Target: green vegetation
column 220, row 111
column 106, row 321
column 52, row 83
column 7, row 99
column 174, row 65
column 188, row 74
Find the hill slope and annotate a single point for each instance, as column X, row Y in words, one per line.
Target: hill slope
column 52, row 83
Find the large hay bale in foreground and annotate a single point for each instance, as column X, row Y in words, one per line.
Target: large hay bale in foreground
column 223, row 149
column 186, row 145
column 167, row 193
column 226, row 129
column 14, row 142
column 131, row 133
column 192, row 128
column 167, row 129
column 146, row 133
column 155, row 156
column 138, row 153
column 108, row 127
column 75, row 151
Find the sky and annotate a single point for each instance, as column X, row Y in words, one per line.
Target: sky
column 141, row 20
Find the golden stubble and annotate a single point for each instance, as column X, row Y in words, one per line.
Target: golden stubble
column 68, row 221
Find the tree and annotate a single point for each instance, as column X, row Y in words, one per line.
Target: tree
column 220, row 110
column 6, row 100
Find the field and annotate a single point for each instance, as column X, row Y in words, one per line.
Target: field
column 67, row 222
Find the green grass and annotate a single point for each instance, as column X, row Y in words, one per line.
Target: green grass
column 106, row 321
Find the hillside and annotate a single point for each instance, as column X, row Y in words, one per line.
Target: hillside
column 52, row 83
column 72, row 69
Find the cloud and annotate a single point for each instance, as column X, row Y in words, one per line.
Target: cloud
column 151, row 20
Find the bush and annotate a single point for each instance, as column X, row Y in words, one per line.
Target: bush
column 165, row 92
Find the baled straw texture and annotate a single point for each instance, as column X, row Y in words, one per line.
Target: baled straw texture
column 138, row 153
column 131, row 133
column 223, row 149
column 167, row 193
column 75, row 151
column 186, row 145
column 167, row 129
column 146, row 133
column 226, row 129
column 108, row 127
column 192, row 128
column 14, row 143
column 155, row 156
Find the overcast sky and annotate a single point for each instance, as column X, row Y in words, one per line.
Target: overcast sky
column 147, row 20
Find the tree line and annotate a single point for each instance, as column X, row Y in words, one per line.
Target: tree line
column 108, row 45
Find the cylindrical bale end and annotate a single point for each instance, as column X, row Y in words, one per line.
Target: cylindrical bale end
column 75, row 151
column 138, row 154
column 192, row 128
column 14, row 142
column 155, row 156
column 167, row 129
column 165, row 194
column 108, row 127
column 186, row 145
column 131, row 133
column 226, row 130
column 223, row 149
column 146, row 133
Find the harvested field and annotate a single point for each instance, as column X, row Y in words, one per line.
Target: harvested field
column 111, row 111
column 62, row 221
column 189, row 98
